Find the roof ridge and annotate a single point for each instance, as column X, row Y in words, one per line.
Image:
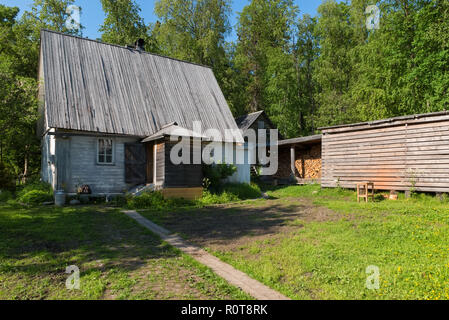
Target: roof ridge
column 248, row 114
column 122, row 47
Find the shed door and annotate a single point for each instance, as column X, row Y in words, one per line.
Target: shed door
column 135, row 163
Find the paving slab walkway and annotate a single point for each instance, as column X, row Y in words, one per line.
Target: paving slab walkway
column 235, row 277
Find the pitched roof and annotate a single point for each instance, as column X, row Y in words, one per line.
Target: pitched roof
column 246, row 121
column 97, row 87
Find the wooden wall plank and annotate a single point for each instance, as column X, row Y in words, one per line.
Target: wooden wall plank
column 394, row 157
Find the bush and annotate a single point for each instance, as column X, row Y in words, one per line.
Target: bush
column 36, row 197
column 231, row 192
column 243, row 190
column 156, row 201
column 5, row 195
column 149, row 200
column 34, row 193
column 214, row 174
column 209, row 198
column 35, row 186
column 7, row 181
column 228, row 193
column 118, row 201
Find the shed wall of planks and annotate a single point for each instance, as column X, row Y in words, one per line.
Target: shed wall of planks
column 396, row 155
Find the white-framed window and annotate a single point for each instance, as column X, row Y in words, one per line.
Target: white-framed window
column 261, row 124
column 105, row 151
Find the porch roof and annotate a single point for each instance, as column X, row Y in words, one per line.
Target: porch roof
column 173, row 130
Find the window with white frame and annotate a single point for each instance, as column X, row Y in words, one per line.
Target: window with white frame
column 105, row 151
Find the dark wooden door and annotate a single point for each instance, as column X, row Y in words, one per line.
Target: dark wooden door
column 135, row 163
column 149, row 147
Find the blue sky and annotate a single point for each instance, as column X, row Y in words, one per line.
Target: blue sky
column 92, row 14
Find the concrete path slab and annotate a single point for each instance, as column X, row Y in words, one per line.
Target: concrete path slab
column 235, row 277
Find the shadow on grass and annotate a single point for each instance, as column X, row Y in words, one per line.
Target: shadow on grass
column 48, row 239
column 230, row 223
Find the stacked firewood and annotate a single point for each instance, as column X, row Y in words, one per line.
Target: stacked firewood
column 309, row 165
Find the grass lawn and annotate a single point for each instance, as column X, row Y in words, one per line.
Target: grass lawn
column 312, row 243
column 118, row 259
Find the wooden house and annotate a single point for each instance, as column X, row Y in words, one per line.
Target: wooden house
column 108, row 114
column 250, row 124
column 256, row 121
column 402, row 153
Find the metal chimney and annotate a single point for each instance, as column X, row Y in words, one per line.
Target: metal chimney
column 140, row 45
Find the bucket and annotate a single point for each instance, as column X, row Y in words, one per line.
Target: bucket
column 59, row 198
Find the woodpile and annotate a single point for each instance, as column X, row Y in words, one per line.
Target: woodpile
column 309, row 163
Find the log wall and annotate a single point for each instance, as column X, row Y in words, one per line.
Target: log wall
column 395, row 155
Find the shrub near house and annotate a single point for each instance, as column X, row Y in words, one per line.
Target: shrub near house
column 35, row 193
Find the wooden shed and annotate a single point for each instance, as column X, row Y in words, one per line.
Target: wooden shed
column 402, row 153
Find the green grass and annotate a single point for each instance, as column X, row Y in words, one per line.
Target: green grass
column 118, row 259
column 407, row 239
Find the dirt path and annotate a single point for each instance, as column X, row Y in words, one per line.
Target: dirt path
column 229, row 273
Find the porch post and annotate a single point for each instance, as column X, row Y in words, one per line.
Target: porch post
column 292, row 161
column 154, row 163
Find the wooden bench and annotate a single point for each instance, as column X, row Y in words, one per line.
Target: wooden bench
column 363, row 191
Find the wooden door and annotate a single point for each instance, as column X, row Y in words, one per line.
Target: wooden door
column 135, row 164
column 149, row 148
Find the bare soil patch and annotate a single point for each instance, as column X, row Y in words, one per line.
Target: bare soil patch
column 232, row 226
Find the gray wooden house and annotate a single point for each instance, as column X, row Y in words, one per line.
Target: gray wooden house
column 108, row 112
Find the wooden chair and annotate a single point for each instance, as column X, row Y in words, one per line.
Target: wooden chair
column 363, row 191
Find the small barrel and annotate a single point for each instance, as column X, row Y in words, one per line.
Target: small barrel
column 59, row 198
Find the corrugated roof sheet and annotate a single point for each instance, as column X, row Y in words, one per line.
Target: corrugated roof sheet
column 98, row 87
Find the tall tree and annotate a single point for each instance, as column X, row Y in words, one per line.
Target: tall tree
column 263, row 56
column 44, row 14
column 123, row 24
column 18, row 111
column 19, row 56
column 333, row 68
column 306, row 51
column 195, row 30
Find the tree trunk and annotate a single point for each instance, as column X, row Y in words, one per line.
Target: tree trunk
column 25, row 166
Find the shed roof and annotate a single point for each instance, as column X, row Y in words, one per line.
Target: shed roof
column 433, row 116
column 98, row 87
column 301, row 140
